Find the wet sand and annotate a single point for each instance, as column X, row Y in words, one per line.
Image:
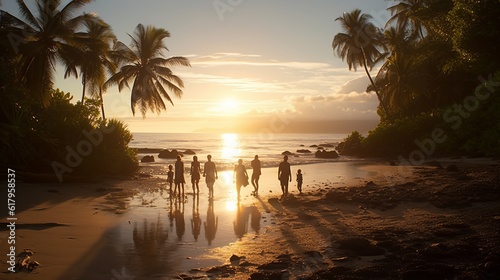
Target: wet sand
column 135, row 229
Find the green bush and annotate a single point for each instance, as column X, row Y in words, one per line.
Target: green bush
column 62, row 138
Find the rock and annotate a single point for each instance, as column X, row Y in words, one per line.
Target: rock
column 337, row 196
column 148, row 159
column 326, row 154
column 189, row 152
column 275, row 265
column 168, row 154
column 327, row 145
column 267, row 275
column 358, row 245
column 313, row 146
column 234, row 258
column 290, row 200
column 304, row 151
column 287, row 153
column 370, row 184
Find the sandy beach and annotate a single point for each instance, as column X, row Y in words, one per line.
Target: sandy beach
column 355, row 220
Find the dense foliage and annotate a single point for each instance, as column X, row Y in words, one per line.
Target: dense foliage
column 41, row 129
column 440, row 54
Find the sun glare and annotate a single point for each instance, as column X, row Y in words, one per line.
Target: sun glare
column 229, row 106
column 230, row 146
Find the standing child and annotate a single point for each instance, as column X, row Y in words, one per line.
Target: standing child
column 299, row 180
column 170, row 176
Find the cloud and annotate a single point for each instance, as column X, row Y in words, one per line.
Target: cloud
column 238, row 59
column 358, row 85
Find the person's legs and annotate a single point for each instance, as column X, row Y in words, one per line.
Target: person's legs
column 257, row 185
column 238, row 188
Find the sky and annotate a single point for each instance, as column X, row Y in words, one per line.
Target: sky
column 256, row 65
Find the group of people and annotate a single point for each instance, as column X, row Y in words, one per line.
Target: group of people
column 175, row 176
column 177, row 179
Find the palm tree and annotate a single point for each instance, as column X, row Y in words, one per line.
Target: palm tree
column 145, row 64
column 408, row 15
column 96, row 61
column 360, row 45
column 402, row 84
column 47, row 36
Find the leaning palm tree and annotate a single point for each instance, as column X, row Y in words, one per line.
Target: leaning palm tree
column 144, row 63
column 96, row 61
column 362, row 44
column 44, row 37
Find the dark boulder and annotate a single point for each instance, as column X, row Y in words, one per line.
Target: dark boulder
column 189, row 152
column 168, row 154
column 326, row 154
column 287, row 153
column 148, row 159
column 304, row 151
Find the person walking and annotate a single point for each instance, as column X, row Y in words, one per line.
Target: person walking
column 256, row 172
column 299, row 180
column 210, row 174
column 284, row 176
column 241, row 176
column 195, row 174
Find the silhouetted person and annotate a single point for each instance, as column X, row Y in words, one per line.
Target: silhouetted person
column 256, row 174
column 210, row 174
column 240, row 175
column 195, row 174
column 179, row 175
column 211, row 223
column 284, row 175
column 196, row 220
column 170, row 176
column 299, row 180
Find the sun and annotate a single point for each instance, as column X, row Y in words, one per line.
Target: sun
column 229, row 106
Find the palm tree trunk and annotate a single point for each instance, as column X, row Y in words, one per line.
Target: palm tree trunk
column 386, row 111
column 83, row 92
column 102, row 105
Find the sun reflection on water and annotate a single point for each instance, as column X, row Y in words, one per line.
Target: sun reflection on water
column 230, row 146
column 232, row 197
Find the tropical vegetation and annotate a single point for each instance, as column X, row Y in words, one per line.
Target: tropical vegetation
column 44, row 130
column 433, row 58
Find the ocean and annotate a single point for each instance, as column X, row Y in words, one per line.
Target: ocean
column 227, row 148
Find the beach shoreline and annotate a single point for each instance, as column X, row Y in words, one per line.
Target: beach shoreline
column 65, row 224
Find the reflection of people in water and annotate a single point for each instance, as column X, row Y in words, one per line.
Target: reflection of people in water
column 211, row 223
column 255, row 217
column 180, row 224
column 241, row 223
column 196, row 220
column 171, row 216
column 195, row 174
